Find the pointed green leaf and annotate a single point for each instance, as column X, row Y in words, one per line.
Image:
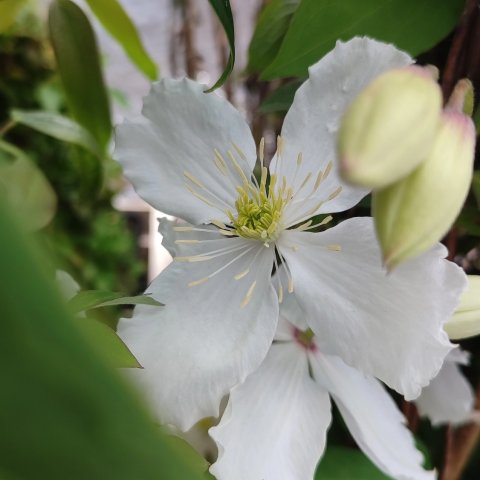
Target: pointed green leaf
column 79, row 67
column 108, row 343
column 116, row 21
column 224, row 13
column 88, row 299
column 412, row 25
column 271, row 27
column 58, row 126
column 65, row 414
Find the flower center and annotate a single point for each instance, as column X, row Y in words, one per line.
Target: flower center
column 305, row 338
column 259, row 210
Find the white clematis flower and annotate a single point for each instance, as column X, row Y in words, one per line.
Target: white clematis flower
column 275, row 424
column 449, row 398
column 192, row 156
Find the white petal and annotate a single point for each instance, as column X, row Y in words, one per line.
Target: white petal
column 203, row 342
column 183, row 127
column 170, row 234
column 291, row 313
column 275, row 424
column 388, row 326
column 312, row 122
column 449, row 397
column 372, row 417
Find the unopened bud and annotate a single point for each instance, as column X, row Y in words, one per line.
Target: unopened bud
column 416, row 212
column 389, row 128
column 466, row 319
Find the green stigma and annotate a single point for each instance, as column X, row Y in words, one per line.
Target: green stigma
column 259, row 210
column 305, row 338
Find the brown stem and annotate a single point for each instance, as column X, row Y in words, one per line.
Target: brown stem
column 461, row 62
column 191, row 55
column 411, row 414
column 461, row 443
column 458, row 59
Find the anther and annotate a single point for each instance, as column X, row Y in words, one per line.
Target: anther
column 181, row 241
column 280, row 145
column 248, row 296
column 198, row 282
column 239, row 151
column 326, row 220
column 307, row 178
column 200, row 197
column 280, row 294
column 183, row 229
column 261, row 150
column 193, row 179
column 335, row 193
column 240, row 275
column 327, row 170
column 299, row 159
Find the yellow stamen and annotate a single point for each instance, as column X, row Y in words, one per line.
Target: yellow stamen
column 335, row 193
column 181, row 241
column 198, row 282
column 249, row 294
column 241, row 274
column 194, row 179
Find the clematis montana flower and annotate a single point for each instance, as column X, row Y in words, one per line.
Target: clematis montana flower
column 274, row 426
column 449, row 397
column 191, row 156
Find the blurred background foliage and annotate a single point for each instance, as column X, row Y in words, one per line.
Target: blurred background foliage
column 59, row 179
column 90, row 239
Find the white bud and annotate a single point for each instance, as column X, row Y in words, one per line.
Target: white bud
column 388, row 129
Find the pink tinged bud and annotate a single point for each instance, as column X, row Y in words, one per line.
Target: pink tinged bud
column 388, row 129
column 417, row 211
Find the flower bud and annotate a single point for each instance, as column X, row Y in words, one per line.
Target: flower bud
column 416, row 212
column 466, row 319
column 389, row 128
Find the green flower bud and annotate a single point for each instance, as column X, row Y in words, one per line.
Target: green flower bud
column 388, row 129
column 416, row 212
column 466, row 319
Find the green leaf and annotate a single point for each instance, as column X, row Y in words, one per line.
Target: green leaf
column 197, row 461
column 340, row 463
column 79, row 67
column 476, row 120
column 412, row 25
column 9, row 9
column 89, row 299
column 224, row 14
column 26, row 190
column 66, row 414
column 281, row 99
column 108, row 343
column 116, row 21
column 271, row 27
column 58, row 126
column 476, row 186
